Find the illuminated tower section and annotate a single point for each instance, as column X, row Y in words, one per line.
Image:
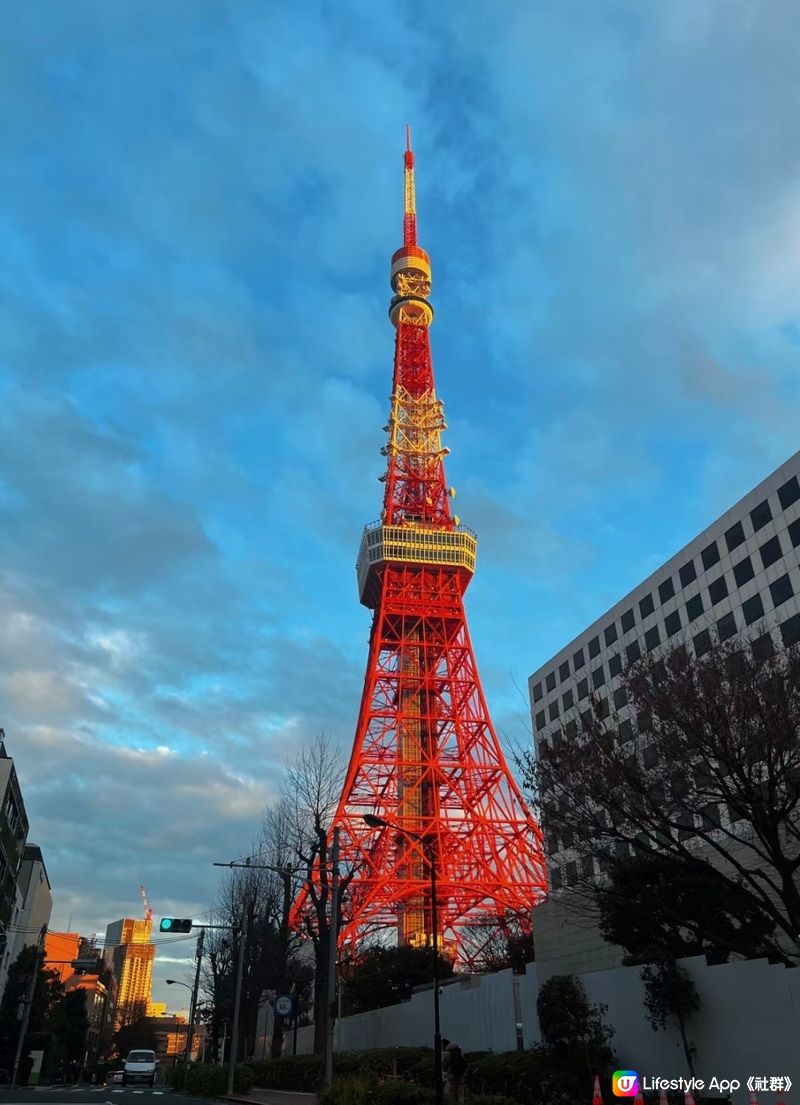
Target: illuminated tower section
column 425, row 756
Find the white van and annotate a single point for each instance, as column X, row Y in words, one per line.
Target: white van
column 140, row 1066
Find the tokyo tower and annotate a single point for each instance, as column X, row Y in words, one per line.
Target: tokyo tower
column 425, row 756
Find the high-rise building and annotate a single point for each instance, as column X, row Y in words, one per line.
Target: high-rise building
column 61, row 949
column 36, row 901
column 129, row 953
column 741, row 575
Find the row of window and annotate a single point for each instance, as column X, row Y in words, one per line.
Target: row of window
column 702, row 642
column 770, row 552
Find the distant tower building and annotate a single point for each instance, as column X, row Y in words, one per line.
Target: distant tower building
column 130, row 954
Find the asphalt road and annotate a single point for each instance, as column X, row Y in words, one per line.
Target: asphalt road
column 95, row 1095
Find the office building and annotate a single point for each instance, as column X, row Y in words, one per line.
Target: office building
column 130, row 954
column 741, row 575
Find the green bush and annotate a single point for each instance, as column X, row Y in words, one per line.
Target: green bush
column 490, row 1099
column 211, row 1080
column 394, row 1061
column 515, row 1075
column 291, row 1072
column 403, row 1093
column 350, row 1090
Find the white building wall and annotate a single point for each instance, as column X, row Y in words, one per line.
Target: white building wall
column 748, row 1022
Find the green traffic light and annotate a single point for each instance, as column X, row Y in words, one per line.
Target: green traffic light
column 166, row 924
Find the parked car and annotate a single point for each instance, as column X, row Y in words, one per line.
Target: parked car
column 113, row 1076
column 140, row 1066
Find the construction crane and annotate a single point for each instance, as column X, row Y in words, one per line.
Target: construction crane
column 148, row 913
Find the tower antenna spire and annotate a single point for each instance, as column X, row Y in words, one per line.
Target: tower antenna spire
column 410, row 206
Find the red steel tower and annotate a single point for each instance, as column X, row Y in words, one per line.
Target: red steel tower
column 425, row 755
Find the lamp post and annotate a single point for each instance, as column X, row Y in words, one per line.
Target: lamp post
column 375, row 822
column 189, row 1029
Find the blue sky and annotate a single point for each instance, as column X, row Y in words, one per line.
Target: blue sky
column 200, row 200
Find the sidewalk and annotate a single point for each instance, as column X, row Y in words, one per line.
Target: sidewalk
column 260, row 1096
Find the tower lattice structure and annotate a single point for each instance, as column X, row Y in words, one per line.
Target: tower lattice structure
column 425, row 756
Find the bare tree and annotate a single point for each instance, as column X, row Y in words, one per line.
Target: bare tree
column 702, row 763
column 312, row 791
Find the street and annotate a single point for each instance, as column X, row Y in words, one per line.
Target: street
column 90, row 1095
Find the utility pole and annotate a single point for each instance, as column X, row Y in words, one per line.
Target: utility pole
column 237, row 1000
column 192, row 1012
column 333, row 933
column 26, row 1014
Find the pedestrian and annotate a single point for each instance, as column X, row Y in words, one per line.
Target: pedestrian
column 454, row 1068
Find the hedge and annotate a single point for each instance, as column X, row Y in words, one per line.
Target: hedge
column 211, row 1079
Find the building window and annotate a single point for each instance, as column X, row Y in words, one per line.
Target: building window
column 710, row 815
column 633, row 652
column 571, row 728
column 771, row 551
column 587, row 717
column 620, row 698
column 550, row 682
column 701, row 642
column 563, row 671
column 615, row 665
column 555, row 878
column 577, row 659
column 583, row 689
column 652, row 638
column 646, row 606
column 789, row 493
column 781, row 590
column 718, row 590
column 610, row 633
column 554, row 710
column 666, row 590
column 672, row 623
column 763, row 647
column 598, row 677
column 794, row 533
column 790, row 630
column 541, row 720
column 568, row 699
column 594, row 647
column 710, row 555
column 625, row 731
column 726, row 626
column 649, row 756
column 688, row 573
column 694, row 607
column 628, row 621
column 538, row 692
column 760, row 515
column 734, row 536
column 743, row 571
column 753, row 609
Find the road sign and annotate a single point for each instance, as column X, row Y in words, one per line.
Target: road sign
column 283, row 1005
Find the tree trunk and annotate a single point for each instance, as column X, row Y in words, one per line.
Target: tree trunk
column 687, row 1051
column 321, row 998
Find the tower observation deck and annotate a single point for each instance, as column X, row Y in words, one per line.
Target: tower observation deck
column 425, row 755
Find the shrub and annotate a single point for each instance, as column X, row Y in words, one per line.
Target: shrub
column 490, row 1099
column 211, row 1080
column 350, row 1090
column 514, row 1075
column 292, row 1072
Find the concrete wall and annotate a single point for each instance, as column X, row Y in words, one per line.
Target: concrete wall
column 748, row 1022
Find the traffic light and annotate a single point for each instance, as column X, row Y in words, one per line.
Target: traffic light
column 175, row 924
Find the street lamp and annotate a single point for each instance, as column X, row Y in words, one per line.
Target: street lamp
column 375, row 822
column 189, row 1028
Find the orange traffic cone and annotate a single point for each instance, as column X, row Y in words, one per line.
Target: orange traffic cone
column 597, row 1097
